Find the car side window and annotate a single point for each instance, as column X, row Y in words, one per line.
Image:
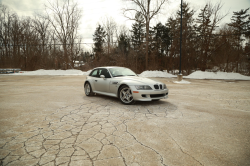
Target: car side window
column 94, row 73
column 104, row 72
column 99, row 72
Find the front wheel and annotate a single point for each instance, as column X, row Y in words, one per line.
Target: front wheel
column 125, row 95
column 88, row 89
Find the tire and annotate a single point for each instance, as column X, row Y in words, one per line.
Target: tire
column 125, row 95
column 88, row 89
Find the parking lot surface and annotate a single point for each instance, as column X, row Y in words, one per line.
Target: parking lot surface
column 48, row 120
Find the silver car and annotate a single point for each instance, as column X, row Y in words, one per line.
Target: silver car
column 123, row 83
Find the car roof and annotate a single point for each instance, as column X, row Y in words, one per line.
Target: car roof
column 108, row 67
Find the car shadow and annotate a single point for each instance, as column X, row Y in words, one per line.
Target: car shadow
column 98, row 97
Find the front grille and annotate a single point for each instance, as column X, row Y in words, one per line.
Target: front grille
column 160, row 86
column 156, row 86
column 157, row 95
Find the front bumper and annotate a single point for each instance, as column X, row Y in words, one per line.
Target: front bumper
column 149, row 95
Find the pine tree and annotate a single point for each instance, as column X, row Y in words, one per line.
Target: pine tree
column 204, row 31
column 188, row 42
column 123, row 44
column 248, row 28
column 98, row 38
column 239, row 23
column 161, row 38
column 137, row 39
column 138, row 32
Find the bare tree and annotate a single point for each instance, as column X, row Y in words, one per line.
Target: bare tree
column 65, row 21
column 208, row 19
column 122, row 30
column 41, row 26
column 148, row 9
column 6, row 19
column 110, row 27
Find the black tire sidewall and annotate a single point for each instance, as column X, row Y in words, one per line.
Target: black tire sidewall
column 90, row 93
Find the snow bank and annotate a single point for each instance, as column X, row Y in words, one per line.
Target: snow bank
column 217, row 75
column 182, row 82
column 87, row 73
column 54, row 72
column 194, row 75
column 156, row 74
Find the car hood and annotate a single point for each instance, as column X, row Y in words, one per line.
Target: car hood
column 135, row 80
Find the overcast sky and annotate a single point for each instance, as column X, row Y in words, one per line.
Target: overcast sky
column 95, row 10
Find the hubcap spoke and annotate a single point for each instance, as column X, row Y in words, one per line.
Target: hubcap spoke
column 126, row 95
column 123, row 97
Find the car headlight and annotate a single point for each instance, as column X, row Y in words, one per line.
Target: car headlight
column 143, row 87
column 164, row 86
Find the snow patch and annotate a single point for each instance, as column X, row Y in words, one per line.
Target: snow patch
column 88, row 72
column 156, row 74
column 216, row 75
column 182, row 82
column 194, row 75
column 54, row 72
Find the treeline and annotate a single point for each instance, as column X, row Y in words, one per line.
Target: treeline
column 52, row 41
column 205, row 45
column 47, row 41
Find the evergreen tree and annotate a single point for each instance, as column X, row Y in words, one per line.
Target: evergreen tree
column 188, row 40
column 138, row 32
column 98, row 38
column 239, row 23
column 161, row 38
column 174, row 33
column 248, row 29
column 123, row 44
column 204, row 31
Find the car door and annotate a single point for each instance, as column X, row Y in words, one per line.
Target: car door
column 92, row 76
column 102, row 84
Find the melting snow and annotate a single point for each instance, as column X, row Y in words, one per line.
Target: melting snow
column 182, row 82
column 217, row 75
column 54, row 72
column 194, row 75
column 156, row 74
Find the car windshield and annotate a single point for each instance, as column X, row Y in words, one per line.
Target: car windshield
column 120, row 71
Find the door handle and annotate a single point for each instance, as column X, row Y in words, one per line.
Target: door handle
column 95, row 80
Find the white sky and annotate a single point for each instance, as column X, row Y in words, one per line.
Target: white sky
column 95, row 10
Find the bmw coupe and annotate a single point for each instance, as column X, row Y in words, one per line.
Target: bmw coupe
column 123, row 83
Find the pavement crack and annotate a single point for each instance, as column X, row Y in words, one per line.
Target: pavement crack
column 182, row 149
column 161, row 158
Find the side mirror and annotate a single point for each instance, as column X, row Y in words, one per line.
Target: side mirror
column 102, row 76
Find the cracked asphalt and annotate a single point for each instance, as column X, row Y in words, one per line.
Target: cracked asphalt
column 48, row 120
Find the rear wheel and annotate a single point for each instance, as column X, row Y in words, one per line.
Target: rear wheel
column 88, row 89
column 125, row 95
